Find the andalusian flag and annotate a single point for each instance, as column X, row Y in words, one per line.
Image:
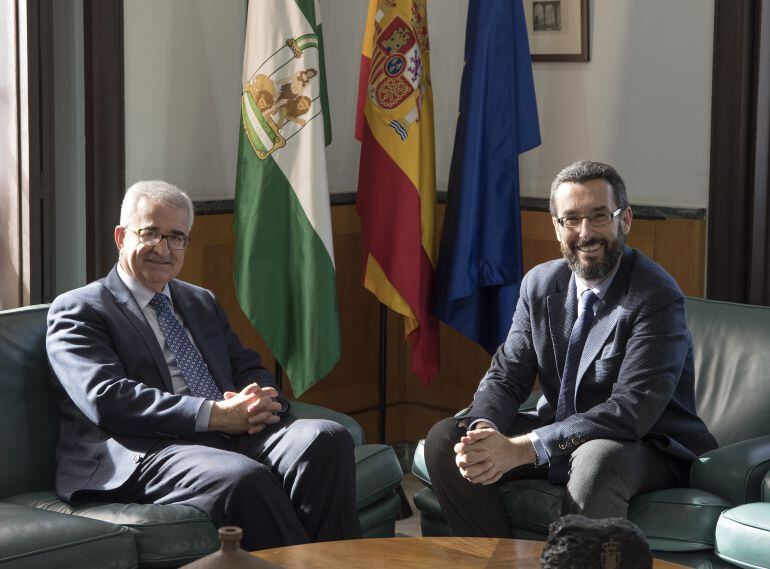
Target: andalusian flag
column 284, row 262
column 397, row 175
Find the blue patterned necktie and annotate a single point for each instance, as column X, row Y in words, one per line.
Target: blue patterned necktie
column 190, row 362
column 557, row 471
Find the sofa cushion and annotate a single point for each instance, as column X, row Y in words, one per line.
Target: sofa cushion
column 531, row 504
column 378, row 473
column 678, row 519
column 32, row 538
column 165, row 535
column 743, row 535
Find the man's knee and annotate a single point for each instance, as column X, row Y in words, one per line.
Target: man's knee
column 243, row 475
column 600, row 454
column 439, row 445
column 322, row 438
column 600, row 463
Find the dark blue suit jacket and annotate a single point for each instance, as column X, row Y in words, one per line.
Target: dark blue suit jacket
column 114, row 389
column 635, row 378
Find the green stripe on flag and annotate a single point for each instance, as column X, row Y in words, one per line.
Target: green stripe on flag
column 308, row 9
column 284, row 276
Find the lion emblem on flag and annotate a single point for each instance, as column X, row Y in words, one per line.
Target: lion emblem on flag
column 272, row 101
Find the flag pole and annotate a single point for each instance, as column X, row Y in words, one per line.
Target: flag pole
column 383, row 373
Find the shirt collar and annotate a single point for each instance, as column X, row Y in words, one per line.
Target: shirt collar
column 142, row 295
column 600, row 289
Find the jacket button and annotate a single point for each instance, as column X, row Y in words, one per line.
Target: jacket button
column 137, row 457
column 562, row 446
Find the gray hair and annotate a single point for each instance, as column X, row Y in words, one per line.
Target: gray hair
column 584, row 171
column 157, row 191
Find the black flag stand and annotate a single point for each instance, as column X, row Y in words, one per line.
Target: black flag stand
column 383, row 395
column 278, row 373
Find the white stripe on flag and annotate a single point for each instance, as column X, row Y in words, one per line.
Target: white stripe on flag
column 263, row 136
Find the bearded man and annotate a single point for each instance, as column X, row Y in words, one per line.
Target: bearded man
column 604, row 331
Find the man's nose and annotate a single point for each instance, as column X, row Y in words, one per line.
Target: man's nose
column 585, row 229
column 162, row 247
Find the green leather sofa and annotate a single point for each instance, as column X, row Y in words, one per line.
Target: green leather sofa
column 39, row 530
column 731, row 345
column 743, row 532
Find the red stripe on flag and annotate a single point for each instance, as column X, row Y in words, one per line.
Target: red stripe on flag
column 389, row 207
column 363, row 86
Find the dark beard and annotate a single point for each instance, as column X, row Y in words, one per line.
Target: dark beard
column 596, row 271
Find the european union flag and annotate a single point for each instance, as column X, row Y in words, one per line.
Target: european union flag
column 479, row 267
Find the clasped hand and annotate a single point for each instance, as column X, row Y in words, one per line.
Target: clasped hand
column 484, row 454
column 248, row 411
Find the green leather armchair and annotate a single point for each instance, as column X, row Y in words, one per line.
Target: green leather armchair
column 39, row 530
column 743, row 532
column 731, row 345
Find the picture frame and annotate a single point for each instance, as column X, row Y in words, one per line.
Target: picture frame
column 557, row 29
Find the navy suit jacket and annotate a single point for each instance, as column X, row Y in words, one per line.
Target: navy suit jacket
column 114, row 390
column 635, row 379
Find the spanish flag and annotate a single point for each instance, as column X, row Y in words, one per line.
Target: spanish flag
column 396, row 197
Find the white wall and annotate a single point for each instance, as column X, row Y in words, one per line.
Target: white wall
column 182, row 84
column 642, row 103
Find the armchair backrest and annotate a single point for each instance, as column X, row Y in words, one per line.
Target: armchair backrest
column 28, row 416
column 731, row 345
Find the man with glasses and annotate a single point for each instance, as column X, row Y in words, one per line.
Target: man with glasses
column 161, row 403
column 604, row 331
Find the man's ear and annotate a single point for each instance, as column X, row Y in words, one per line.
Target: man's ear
column 120, row 235
column 556, row 229
column 626, row 219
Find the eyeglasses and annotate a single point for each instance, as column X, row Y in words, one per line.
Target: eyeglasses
column 153, row 237
column 594, row 220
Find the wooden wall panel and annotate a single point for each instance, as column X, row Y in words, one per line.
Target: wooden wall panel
column 680, row 248
column 352, row 386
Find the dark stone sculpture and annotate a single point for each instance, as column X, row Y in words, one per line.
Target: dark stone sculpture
column 577, row 542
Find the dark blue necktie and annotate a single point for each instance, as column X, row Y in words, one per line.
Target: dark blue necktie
column 557, row 471
column 190, row 362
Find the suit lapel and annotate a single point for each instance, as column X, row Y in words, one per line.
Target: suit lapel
column 562, row 313
column 125, row 301
column 606, row 317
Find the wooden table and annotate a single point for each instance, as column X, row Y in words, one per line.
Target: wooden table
column 422, row 552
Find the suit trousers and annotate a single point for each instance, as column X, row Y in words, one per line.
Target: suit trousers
column 290, row 484
column 604, row 475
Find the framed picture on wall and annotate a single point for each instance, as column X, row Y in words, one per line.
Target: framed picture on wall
column 558, row 29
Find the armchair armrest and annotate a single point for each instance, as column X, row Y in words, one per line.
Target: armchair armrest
column 735, row 472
